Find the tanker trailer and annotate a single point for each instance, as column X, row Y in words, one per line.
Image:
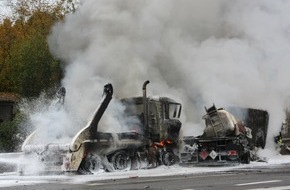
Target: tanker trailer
column 226, row 140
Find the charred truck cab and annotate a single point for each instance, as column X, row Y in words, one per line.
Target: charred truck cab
column 156, row 122
column 160, row 122
column 151, row 140
column 159, row 126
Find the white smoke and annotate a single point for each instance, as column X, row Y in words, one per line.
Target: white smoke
column 198, row 52
column 52, row 120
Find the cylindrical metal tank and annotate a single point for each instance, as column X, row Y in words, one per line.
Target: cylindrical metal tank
column 221, row 125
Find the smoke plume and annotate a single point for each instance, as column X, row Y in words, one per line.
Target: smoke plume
column 198, row 52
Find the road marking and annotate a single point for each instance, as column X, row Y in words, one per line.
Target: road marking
column 95, row 184
column 273, row 188
column 258, row 182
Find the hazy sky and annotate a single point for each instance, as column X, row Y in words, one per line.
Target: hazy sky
column 3, row 8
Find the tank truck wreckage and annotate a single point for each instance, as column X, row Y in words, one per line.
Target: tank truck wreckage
column 90, row 150
column 227, row 140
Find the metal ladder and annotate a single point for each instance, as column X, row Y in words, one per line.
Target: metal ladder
column 215, row 120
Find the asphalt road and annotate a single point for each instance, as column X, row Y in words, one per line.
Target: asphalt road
column 268, row 178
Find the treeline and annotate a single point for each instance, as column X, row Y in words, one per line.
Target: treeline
column 26, row 65
column 27, row 68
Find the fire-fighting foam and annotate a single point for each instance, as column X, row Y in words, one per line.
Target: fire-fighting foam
column 10, row 179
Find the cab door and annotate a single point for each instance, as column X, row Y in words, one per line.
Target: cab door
column 154, row 121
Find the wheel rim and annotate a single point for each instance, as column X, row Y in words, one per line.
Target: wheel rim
column 95, row 164
column 91, row 164
column 121, row 161
column 168, row 158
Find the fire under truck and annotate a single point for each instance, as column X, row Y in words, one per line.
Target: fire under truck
column 226, row 140
column 155, row 143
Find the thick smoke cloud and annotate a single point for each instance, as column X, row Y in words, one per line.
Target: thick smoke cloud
column 198, row 52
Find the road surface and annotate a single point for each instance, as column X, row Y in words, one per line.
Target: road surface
column 250, row 178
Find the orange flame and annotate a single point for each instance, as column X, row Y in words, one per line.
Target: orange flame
column 161, row 144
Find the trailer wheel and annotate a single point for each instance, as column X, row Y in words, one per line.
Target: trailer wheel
column 285, row 149
column 121, row 160
column 90, row 164
column 168, row 158
column 246, row 158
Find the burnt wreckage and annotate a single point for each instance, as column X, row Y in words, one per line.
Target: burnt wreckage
column 151, row 142
column 152, row 139
column 226, row 139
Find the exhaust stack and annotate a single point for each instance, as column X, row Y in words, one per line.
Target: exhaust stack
column 145, row 109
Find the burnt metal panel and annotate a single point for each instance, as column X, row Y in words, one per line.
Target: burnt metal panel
column 255, row 119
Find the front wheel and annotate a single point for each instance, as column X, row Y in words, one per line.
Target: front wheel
column 121, row 161
column 90, row 164
column 168, row 158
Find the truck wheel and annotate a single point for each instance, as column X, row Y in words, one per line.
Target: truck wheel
column 246, row 158
column 90, row 164
column 285, row 149
column 168, row 158
column 121, row 160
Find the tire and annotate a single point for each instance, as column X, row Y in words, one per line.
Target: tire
column 168, row 158
column 121, row 161
column 235, row 147
column 90, row 164
column 285, row 150
column 246, row 158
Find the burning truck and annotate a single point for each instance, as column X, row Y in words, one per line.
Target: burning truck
column 226, row 140
column 153, row 140
column 154, row 143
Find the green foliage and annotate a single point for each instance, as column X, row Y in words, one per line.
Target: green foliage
column 33, row 67
column 26, row 65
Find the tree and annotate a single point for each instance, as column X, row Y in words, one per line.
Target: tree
column 26, row 65
column 33, row 67
column 7, row 37
column 11, row 135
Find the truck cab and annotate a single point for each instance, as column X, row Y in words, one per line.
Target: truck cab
column 158, row 120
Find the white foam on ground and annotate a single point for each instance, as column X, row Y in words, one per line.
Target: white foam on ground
column 13, row 179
